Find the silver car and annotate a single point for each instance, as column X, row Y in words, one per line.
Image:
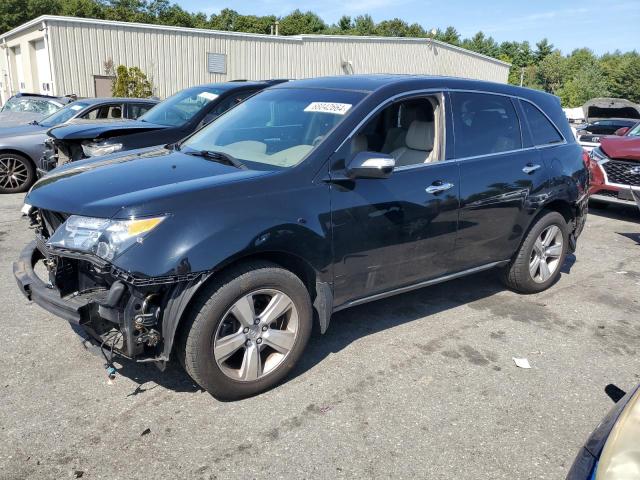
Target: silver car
column 22, row 146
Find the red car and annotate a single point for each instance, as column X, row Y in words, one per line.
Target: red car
column 615, row 168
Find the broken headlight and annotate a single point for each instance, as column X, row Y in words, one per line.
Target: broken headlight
column 100, row 236
column 93, row 149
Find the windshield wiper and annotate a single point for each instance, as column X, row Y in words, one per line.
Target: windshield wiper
column 219, row 156
column 34, row 122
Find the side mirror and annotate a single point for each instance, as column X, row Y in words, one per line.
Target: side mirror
column 621, row 131
column 370, row 165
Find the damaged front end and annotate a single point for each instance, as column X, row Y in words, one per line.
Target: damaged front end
column 132, row 316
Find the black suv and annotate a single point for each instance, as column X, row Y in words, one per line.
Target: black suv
column 308, row 198
column 169, row 121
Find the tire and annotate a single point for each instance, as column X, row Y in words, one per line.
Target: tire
column 522, row 274
column 213, row 320
column 17, row 173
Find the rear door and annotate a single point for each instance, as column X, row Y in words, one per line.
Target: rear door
column 501, row 177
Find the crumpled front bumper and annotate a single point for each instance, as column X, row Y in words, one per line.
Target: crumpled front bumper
column 71, row 309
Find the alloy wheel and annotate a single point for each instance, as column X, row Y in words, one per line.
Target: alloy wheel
column 546, row 254
column 256, row 334
column 13, row 173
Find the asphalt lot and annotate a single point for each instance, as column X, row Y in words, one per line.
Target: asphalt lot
column 421, row 385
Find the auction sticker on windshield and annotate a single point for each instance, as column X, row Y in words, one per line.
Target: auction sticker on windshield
column 208, row 95
column 328, row 107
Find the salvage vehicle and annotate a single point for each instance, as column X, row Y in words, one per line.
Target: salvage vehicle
column 171, row 120
column 589, row 135
column 618, row 163
column 308, row 198
column 23, row 108
column 22, row 147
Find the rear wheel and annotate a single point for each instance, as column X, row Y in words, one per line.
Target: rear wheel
column 538, row 261
column 247, row 331
column 17, row 173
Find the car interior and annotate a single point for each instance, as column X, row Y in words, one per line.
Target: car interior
column 410, row 131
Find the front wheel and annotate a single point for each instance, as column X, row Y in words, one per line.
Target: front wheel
column 246, row 331
column 17, row 173
column 537, row 263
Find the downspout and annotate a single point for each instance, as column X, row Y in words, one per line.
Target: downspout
column 49, row 58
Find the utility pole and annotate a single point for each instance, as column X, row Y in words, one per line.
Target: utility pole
column 521, row 76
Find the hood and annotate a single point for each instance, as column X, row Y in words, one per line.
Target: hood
column 20, row 130
column 79, row 130
column 12, row 119
column 603, row 108
column 140, row 182
column 623, row 148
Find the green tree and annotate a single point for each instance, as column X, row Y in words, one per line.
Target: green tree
column 543, row 50
column 131, row 82
column 624, row 79
column 298, row 22
column 552, row 72
column 450, row 35
column 586, row 84
column 482, row 44
column 344, row 24
column 364, row 25
column 392, row 28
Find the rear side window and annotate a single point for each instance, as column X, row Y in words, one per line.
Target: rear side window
column 484, row 124
column 542, row 130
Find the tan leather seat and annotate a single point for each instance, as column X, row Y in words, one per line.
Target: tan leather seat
column 418, row 144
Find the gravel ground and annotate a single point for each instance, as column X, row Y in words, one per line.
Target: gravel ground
column 420, row 385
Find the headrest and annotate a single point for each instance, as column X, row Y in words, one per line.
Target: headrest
column 420, row 136
column 359, row 144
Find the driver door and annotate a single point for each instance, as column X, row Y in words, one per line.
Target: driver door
column 398, row 231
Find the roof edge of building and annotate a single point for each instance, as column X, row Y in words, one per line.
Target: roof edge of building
column 262, row 36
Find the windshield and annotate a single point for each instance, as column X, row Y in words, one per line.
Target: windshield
column 31, row 105
column 275, row 127
column 181, row 107
column 635, row 131
column 63, row 114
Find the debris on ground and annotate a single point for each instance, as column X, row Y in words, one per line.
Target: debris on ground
column 521, row 362
column 146, row 431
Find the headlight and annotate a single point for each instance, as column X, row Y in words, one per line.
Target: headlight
column 93, row 149
column 100, row 236
column 598, row 155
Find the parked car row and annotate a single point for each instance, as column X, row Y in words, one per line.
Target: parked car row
column 22, row 147
column 311, row 196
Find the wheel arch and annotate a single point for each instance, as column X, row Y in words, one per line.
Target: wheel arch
column 319, row 292
column 15, row 151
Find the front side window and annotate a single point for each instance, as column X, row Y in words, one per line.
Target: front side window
column 62, row 115
column 484, row 124
column 635, row 131
column 542, row 130
column 410, row 131
column 276, row 128
column 181, row 107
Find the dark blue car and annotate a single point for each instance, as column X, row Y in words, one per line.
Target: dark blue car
column 309, row 197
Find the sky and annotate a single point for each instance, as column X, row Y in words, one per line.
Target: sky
column 601, row 25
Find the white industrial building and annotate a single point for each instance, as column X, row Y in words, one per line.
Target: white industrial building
column 65, row 55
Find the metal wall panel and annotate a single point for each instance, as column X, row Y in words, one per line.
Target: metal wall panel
column 177, row 58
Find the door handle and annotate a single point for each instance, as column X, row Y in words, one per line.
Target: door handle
column 439, row 186
column 530, row 168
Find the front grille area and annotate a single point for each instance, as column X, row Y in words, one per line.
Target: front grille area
column 620, row 172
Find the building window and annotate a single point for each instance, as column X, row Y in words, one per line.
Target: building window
column 217, row 63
